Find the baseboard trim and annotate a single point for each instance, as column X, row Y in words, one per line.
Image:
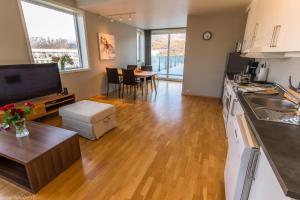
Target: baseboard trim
column 202, row 96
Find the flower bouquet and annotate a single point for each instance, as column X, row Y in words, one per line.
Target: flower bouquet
column 16, row 115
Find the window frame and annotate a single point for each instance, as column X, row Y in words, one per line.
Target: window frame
column 140, row 39
column 80, row 31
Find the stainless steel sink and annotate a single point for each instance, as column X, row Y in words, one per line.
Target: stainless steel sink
column 275, row 109
column 273, row 103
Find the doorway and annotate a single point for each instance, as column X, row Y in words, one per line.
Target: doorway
column 167, row 53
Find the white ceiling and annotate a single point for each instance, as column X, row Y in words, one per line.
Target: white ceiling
column 156, row 14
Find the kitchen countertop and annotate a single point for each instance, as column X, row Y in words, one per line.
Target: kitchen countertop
column 281, row 143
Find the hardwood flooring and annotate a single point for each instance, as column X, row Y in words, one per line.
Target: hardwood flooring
column 167, row 146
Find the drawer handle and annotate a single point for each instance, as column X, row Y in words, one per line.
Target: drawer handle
column 233, row 106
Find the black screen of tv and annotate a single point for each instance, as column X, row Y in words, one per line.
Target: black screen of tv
column 21, row 82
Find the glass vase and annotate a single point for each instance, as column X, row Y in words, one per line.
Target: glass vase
column 21, row 130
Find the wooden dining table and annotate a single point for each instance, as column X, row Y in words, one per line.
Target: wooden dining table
column 144, row 75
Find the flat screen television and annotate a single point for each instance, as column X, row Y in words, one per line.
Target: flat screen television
column 22, row 82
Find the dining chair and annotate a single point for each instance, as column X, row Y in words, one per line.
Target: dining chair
column 113, row 78
column 148, row 68
column 129, row 79
column 132, row 67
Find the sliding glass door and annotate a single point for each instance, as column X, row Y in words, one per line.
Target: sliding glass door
column 167, row 53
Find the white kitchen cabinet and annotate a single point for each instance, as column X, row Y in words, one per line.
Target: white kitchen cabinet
column 249, row 36
column 265, row 185
column 268, row 16
column 272, row 27
column 289, row 36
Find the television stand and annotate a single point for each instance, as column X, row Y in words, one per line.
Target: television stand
column 48, row 105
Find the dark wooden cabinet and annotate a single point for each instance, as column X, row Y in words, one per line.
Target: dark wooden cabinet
column 32, row 162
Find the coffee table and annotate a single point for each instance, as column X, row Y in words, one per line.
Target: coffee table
column 33, row 161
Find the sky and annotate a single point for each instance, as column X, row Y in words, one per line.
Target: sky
column 45, row 22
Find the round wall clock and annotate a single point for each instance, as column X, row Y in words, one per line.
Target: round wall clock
column 207, row 35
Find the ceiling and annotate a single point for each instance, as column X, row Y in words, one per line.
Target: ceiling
column 156, row 14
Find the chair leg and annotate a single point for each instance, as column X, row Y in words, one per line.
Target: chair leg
column 135, row 91
column 107, row 89
column 123, row 91
column 119, row 90
column 151, row 85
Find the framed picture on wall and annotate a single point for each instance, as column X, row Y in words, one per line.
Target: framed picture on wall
column 107, row 46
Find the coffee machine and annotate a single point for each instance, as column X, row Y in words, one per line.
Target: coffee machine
column 251, row 69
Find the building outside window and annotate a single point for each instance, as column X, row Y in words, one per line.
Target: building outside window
column 54, row 32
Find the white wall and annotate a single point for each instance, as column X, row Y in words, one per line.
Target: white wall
column 281, row 69
column 205, row 61
column 13, row 49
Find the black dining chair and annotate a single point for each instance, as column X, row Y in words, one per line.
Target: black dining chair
column 147, row 68
column 113, row 78
column 132, row 67
column 129, row 80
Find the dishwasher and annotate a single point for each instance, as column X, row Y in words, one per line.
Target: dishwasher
column 243, row 152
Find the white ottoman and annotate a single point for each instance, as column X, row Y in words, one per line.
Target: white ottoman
column 90, row 119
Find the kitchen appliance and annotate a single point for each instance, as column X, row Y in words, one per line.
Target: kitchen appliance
column 242, row 79
column 236, row 64
column 243, row 152
column 251, row 69
column 262, row 73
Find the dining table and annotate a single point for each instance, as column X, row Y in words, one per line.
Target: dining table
column 144, row 75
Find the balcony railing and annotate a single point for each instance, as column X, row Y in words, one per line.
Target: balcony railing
column 45, row 56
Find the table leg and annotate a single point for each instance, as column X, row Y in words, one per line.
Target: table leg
column 154, row 83
column 145, row 85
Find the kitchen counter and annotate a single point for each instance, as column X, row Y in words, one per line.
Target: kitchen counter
column 281, row 143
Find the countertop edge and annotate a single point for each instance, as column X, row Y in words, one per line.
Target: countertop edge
column 246, row 108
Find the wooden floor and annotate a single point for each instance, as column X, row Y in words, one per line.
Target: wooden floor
column 167, row 146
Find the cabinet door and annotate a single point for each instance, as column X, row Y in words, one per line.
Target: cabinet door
column 250, row 26
column 265, row 185
column 276, row 26
column 289, row 37
column 270, row 21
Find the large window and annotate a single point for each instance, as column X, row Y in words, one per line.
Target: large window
column 167, row 53
column 54, row 35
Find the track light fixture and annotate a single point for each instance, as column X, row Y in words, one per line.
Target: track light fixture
column 121, row 16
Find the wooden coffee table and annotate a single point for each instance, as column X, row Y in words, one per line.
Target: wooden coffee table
column 32, row 162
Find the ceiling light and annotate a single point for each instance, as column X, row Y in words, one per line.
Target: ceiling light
column 121, row 18
column 130, row 18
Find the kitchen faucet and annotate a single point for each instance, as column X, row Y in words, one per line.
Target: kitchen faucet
column 296, row 98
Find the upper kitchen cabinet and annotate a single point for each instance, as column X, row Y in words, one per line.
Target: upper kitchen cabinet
column 289, row 36
column 272, row 28
column 251, row 27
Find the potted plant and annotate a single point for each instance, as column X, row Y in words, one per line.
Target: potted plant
column 62, row 60
column 16, row 115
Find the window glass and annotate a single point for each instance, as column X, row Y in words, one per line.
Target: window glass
column 52, row 35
